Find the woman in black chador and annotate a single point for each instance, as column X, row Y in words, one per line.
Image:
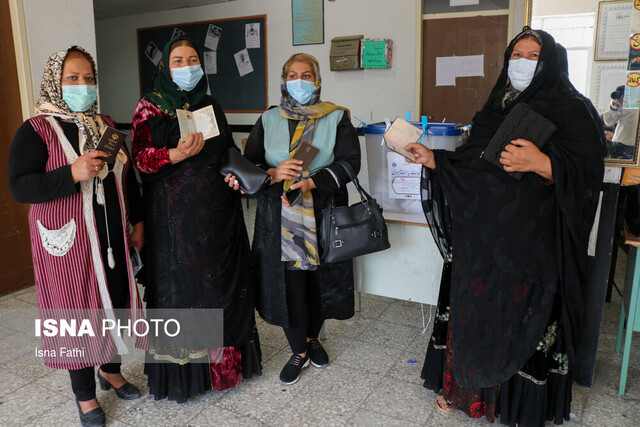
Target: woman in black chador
column 197, row 245
column 516, row 250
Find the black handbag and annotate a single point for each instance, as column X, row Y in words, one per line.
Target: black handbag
column 350, row 231
column 251, row 178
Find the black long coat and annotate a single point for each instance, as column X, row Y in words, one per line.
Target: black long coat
column 333, row 282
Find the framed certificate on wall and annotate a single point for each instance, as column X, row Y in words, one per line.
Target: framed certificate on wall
column 613, row 30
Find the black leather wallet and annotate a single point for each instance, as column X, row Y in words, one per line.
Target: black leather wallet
column 251, row 178
column 521, row 122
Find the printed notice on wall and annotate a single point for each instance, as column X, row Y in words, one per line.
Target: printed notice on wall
column 153, row 53
column 448, row 68
column 213, row 37
column 243, row 62
column 210, row 62
column 177, row 32
column 404, row 178
column 632, row 90
column 252, row 35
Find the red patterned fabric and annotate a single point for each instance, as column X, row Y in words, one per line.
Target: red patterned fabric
column 147, row 158
column 475, row 402
column 228, row 373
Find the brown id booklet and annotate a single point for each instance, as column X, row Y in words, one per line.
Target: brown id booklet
column 306, row 153
column 110, row 142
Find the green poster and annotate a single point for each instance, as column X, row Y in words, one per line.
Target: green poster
column 374, row 54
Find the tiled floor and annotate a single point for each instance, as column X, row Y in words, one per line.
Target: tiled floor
column 373, row 379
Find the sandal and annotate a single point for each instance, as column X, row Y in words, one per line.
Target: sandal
column 443, row 405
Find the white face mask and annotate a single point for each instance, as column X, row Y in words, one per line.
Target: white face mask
column 521, row 72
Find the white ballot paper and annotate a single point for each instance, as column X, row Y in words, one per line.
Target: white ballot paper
column 399, row 134
column 202, row 120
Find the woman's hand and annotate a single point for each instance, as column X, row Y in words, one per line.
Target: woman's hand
column 233, row 182
column 289, row 169
column 305, row 185
column 524, row 156
column 137, row 236
column 185, row 149
column 87, row 166
column 421, row 154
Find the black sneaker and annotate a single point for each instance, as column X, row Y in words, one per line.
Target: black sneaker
column 319, row 357
column 291, row 371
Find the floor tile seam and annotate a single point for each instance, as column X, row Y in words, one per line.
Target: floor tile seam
column 345, row 365
column 401, row 420
column 364, row 401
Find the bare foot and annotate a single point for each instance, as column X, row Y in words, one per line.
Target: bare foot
column 443, row 405
column 88, row 405
column 116, row 380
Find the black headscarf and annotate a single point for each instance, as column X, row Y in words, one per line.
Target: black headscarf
column 166, row 94
column 517, row 244
column 563, row 64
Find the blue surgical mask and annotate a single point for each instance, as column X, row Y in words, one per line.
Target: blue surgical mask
column 187, row 77
column 521, row 72
column 301, row 90
column 79, row 98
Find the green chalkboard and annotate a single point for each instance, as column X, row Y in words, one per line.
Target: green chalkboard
column 224, row 43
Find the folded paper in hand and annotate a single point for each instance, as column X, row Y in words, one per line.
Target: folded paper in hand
column 110, row 142
column 522, row 122
column 399, row 134
column 202, row 120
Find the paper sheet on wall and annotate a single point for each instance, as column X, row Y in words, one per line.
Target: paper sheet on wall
column 153, row 53
column 243, row 62
column 252, row 35
column 470, row 66
column 453, row 3
column 448, row 68
column 404, row 178
column 618, row 28
column 177, row 32
column 632, row 90
column 213, row 37
column 210, row 62
column 446, row 71
column 609, row 81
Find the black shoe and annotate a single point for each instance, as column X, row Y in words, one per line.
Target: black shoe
column 93, row 418
column 291, row 371
column 319, row 357
column 126, row 392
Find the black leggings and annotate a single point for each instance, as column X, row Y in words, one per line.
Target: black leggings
column 303, row 303
column 83, row 381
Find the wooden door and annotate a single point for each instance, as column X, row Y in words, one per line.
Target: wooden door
column 16, row 268
column 485, row 35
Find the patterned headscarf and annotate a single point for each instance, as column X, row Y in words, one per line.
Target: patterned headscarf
column 50, row 100
column 299, row 241
column 166, row 94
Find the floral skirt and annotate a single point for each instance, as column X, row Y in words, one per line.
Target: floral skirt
column 540, row 391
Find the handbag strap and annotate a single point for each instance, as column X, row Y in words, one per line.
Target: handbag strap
column 364, row 196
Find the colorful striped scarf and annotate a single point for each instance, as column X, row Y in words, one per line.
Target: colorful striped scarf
column 299, row 241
